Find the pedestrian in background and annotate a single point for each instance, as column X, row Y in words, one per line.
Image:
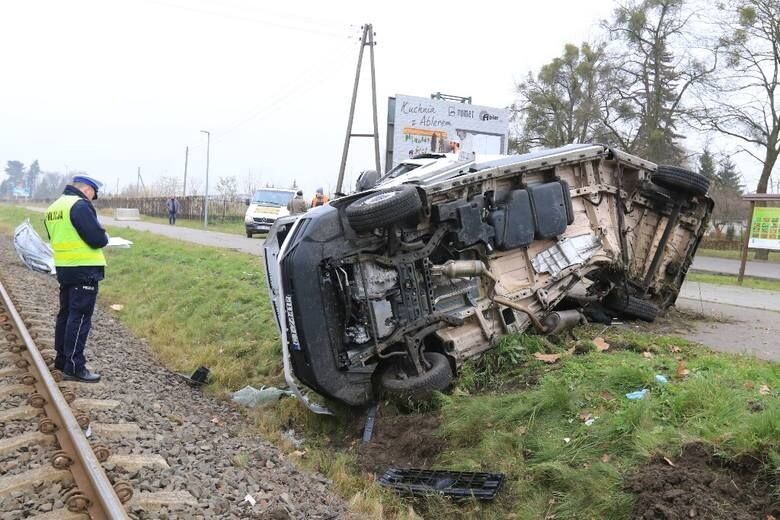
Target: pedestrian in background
column 297, row 204
column 173, row 208
column 77, row 239
column 320, row 199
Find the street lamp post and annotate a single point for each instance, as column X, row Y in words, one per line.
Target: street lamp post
column 206, row 202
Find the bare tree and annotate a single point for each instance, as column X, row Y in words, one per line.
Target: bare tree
column 249, row 183
column 227, row 187
column 742, row 101
column 194, row 185
column 165, row 187
column 651, row 73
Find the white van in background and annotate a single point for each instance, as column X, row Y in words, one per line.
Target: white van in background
column 265, row 206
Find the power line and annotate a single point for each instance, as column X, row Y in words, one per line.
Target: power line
column 318, row 31
column 319, row 20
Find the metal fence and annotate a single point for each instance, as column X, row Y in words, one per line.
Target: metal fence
column 220, row 210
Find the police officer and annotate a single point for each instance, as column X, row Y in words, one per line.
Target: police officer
column 77, row 240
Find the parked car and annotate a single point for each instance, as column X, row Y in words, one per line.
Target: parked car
column 265, row 206
column 392, row 289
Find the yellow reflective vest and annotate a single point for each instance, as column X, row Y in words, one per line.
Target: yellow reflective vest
column 70, row 250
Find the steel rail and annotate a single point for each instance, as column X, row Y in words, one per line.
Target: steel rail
column 104, row 504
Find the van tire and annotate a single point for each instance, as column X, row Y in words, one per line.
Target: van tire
column 438, row 377
column 675, row 178
column 384, row 208
column 248, row 234
column 631, row 306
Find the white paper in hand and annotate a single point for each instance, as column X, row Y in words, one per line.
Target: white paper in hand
column 118, row 242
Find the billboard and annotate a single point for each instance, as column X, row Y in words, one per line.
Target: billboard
column 422, row 125
column 765, row 229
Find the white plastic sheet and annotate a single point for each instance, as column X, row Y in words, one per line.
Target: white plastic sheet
column 34, row 252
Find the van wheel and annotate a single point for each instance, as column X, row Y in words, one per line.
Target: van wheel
column 630, row 306
column 248, row 234
column 396, row 379
column 383, row 208
column 680, row 179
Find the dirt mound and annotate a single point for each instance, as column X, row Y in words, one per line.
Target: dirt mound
column 701, row 485
column 401, row 441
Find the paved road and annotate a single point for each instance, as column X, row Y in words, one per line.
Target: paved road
column 730, row 266
column 738, row 330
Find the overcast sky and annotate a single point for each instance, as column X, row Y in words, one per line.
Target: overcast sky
column 107, row 86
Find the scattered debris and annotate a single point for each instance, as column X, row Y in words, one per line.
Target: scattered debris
column 669, row 461
column 453, row 484
column 32, row 250
column 675, row 349
column 606, row 458
column 250, row 499
column 681, row 370
column 566, row 440
column 647, row 354
column 251, row 396
column 368, row 429
column 764, row 390
column 639, row 394
column 294, row 439
column 117, row 307
column 601, row 345
column 547, row 358
column 661, row 379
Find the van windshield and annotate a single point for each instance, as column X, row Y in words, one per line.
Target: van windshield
column 400, row 170
column 272, row 198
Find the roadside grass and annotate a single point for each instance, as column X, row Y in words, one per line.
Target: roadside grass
column 507, row 412
column 774, row 256
column 723, row 279
column 235, row 228
column 514, row 414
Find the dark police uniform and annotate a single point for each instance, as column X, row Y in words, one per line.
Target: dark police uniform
column 76, row 238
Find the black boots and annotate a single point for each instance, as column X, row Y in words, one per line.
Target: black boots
column 84, row 376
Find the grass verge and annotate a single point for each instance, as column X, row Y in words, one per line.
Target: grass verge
column 774, row 256
column 564, row 433
column 723, row 279
column 235, row 228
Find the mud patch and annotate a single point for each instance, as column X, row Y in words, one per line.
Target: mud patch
column 402, row 441
column 701, row 485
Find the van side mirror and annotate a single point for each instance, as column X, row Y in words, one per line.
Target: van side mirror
column 367, row 180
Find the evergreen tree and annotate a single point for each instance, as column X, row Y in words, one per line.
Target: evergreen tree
column 559, row 106
column 707, row 164
column 727, row 177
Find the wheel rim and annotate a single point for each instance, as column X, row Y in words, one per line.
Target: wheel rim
column 379, row 197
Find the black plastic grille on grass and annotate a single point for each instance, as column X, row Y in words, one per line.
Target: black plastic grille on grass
column 453, row 484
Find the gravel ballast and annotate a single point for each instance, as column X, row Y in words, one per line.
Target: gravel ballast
column 203, row 440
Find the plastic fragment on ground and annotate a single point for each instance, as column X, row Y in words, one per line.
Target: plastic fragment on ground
column 661, row 379
column 251, row 396
column 452, row 484
column 639, row 394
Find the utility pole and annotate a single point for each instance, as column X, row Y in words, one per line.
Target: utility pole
column 186, row 157
column 138, row 183
column 206, row 201
column 367, row 40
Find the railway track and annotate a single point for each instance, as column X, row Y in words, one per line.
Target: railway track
column 72, row 458
column 53, row 463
